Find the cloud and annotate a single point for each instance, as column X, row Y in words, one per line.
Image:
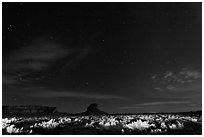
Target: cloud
column 38, row 57
column 130, row 107
column 43, row 51
column 158, row 88
column 151, row 104
column 168, row 74
column 164, row 103
column 154, row 76
column 190, row 87
column 171, row 87
column 70, row 94
column 184, row 76
column 190, row 74
column 9, row 79
column 34, row 57
column 186, row 80
column 13, row 67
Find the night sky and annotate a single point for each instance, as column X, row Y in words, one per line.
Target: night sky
column 127, row 57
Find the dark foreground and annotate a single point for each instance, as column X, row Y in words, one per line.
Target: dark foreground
column 146, row 124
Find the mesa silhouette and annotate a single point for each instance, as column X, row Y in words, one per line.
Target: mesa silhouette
column 37, row 110
column 92, row 109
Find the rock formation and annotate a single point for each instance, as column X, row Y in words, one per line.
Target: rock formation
column 92, row 109
column 27, row 110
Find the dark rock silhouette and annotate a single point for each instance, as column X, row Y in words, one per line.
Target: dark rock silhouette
column 92, row 109
column 27, row 110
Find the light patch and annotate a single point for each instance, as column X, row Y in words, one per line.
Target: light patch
column 158, row 89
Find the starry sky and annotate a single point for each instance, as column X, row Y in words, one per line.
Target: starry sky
column 127, row 57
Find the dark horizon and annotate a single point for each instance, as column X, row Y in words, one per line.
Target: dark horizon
column 127, row 57
column 77, row 113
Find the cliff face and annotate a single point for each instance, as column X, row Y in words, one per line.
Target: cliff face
column 31, row 109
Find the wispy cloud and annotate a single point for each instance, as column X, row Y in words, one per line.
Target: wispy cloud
column 9, row 79
column 37, row 57
column 44, row 93
column 151, row 104
column 171, row 87
column 42, row 51
column 191, row 87
column 190, row 74
column 34, row 57
column 168, row 75
column 184, row 76
column 164, row 103
column 158, row 89
column 154, row 76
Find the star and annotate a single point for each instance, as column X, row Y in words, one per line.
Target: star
column 10, row 27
